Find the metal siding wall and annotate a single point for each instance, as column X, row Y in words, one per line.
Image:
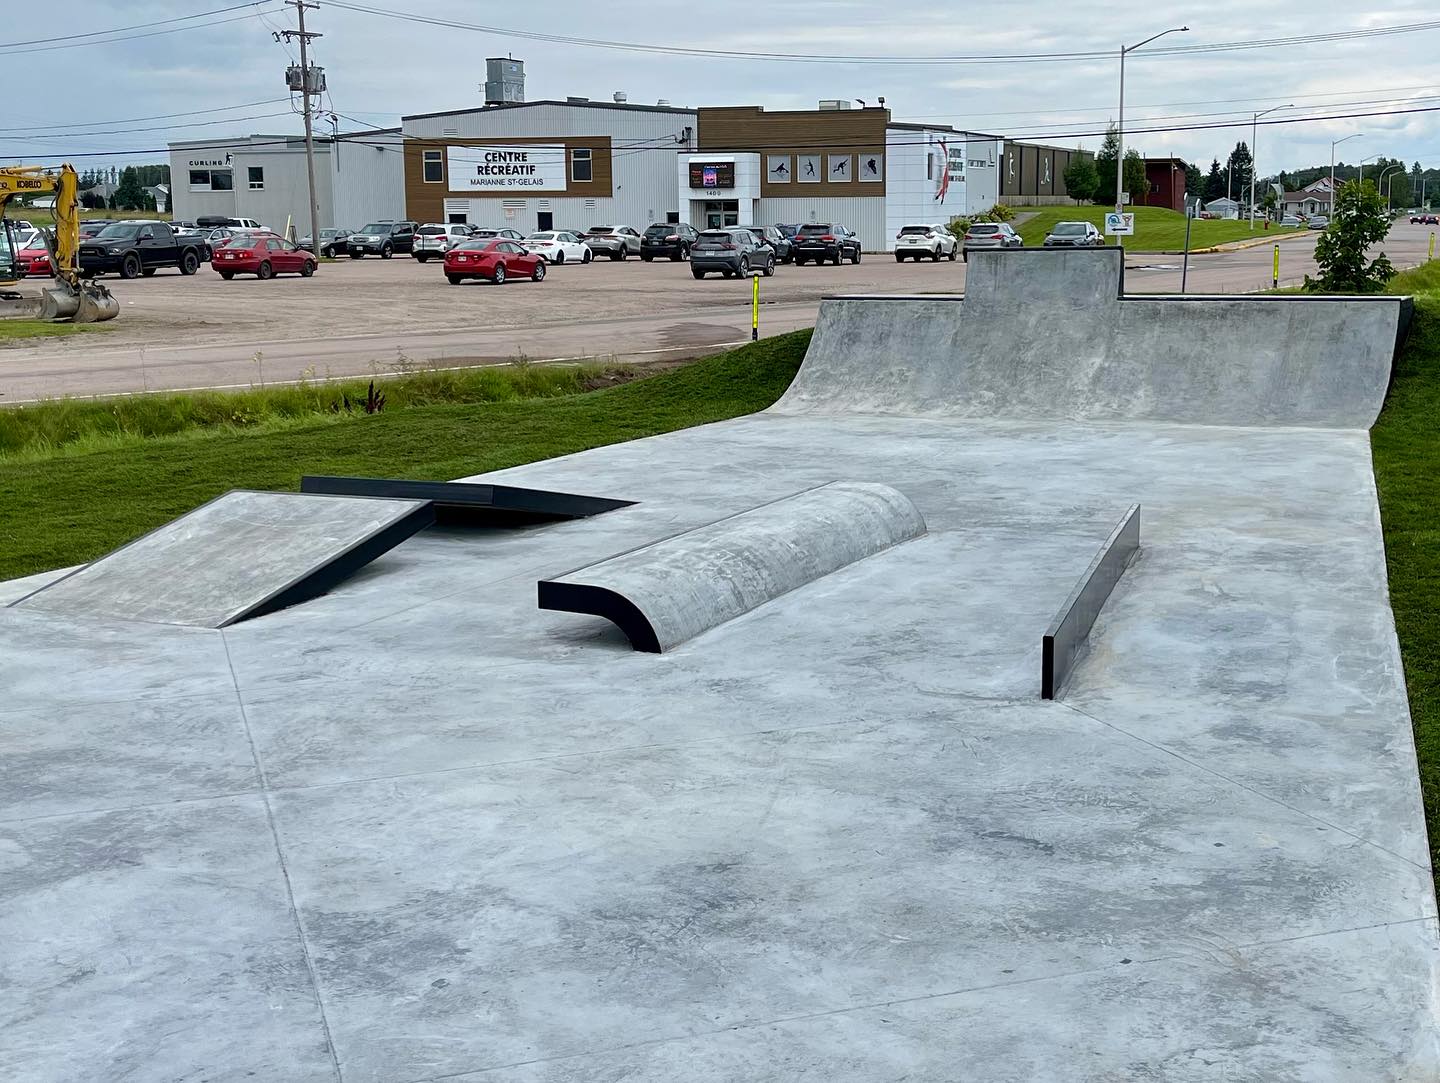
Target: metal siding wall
column 368, row 180
column 286, row 191
column 864, row 214
column 643, row 151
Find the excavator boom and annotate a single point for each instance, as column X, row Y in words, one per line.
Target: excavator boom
column 70, row 297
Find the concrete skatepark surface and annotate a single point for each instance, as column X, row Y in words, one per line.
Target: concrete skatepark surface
column 418, row 829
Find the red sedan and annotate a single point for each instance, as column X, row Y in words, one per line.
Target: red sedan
column 34, row 257
column 494, row 258
column 262, row 256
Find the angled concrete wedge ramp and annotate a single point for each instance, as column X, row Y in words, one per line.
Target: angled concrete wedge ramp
column 242, row 555
column 662, row 594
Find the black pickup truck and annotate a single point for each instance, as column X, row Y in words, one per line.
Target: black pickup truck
column 131, row 249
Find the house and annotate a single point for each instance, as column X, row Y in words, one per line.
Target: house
column 1223, row 208
column 1307, row 202
column 1165, row 184
column 161, row 194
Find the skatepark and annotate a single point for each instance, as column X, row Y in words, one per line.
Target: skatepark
column 738, row 752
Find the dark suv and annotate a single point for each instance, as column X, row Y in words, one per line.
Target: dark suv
column 776, row 240
column 672, row 239
column 382, row 238
column 732, row 251
column 826, row 241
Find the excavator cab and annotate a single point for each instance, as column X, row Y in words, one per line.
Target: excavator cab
column 9, row 256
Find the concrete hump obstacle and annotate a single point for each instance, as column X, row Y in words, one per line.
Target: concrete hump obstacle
column 240, row 556
column 667, row 592
column 1068, row 633
column 1047, row 334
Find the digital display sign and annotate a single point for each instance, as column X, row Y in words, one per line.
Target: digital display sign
column 712, row 174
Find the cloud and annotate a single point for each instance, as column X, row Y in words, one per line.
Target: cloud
column 380, row 68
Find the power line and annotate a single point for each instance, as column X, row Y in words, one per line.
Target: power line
column 44, row 137
column 132, row 37
column 833, row 58
column 952, row 137
column 137, row 26
column 162, row 116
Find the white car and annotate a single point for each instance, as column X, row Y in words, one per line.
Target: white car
column 557, row 246
column 925, row 241
column 437, row 238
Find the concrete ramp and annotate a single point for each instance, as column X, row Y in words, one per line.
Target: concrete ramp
column 242, row 555
column 1048, row 335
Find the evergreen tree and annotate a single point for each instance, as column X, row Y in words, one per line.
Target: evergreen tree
column 1194, row 182
column 1107, row 163
column 1214, row 182
column 1080, row 178
column 1241, row 164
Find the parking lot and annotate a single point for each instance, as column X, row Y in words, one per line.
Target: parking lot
column 372, row 316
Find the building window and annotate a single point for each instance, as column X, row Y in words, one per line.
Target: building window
column 433, row 169
column 581, row 166
column 211, row 180
column 257, row 178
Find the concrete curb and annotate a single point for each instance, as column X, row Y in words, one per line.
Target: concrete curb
column 1236, row 246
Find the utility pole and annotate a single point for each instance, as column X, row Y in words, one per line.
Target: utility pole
column 311, row 81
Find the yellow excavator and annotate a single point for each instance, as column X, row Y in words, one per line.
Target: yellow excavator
column 69, row 298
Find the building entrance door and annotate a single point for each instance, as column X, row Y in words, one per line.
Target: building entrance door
column 545, row 220
column 720, row 213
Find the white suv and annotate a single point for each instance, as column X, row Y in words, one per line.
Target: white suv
column 916, row 242
column 437, row 238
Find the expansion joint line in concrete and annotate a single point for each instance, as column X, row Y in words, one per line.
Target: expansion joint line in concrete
column 1248, row 789
column 284, row 868
column 755, row 1024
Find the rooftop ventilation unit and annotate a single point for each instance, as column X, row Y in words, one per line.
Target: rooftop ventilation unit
column 620, row 97
column 832, row 104
column 504, row 80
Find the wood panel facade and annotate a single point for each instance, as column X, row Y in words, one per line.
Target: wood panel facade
column 425, row 201
column 796, row 138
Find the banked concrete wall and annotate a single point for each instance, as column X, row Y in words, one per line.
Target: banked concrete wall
column 1047, row 335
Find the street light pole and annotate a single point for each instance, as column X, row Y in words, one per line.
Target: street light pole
column 1120, row 130
column 1362, row 165
column 1254, row 138
column 1335, row 143
column 1385, row 173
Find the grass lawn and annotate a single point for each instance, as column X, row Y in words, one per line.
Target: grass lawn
column 16, row 330
column 79, row 426
column 71, row 508
column 1406, row 448
column 1156, row 229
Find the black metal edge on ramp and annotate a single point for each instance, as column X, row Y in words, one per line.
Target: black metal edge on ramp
column 1069, row 630
column 341, row 566
column 459, row 503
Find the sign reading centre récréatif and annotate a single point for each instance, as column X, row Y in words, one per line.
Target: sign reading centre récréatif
column 511, row 167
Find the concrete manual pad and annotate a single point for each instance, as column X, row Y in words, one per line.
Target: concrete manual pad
column 837, row 838
column 232, row 557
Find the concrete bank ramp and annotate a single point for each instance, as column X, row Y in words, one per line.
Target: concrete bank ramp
column 242, row 555
column 1047, row 334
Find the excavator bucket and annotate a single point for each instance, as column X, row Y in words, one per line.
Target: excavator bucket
column 89, row 303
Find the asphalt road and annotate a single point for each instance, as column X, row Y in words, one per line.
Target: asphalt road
column 372, row 318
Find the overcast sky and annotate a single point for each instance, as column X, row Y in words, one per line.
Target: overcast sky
column 380, row 68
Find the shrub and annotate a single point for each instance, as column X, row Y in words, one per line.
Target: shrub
column 1359, row 222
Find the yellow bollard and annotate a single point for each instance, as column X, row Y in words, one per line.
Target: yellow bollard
column 1275, row 273
column 1432, row 244
column 755, row 309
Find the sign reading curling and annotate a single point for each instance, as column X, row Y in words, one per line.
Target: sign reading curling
column 515, row 167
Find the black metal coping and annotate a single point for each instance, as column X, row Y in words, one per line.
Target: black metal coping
column 601, row 602
column 459, row 503
column 342, row 565
column 1068, row 632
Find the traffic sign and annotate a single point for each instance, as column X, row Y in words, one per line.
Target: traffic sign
column 1119, row 225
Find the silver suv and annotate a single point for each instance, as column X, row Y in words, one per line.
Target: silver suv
column 990, row 235
column 617, row 242
column 437, row 238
